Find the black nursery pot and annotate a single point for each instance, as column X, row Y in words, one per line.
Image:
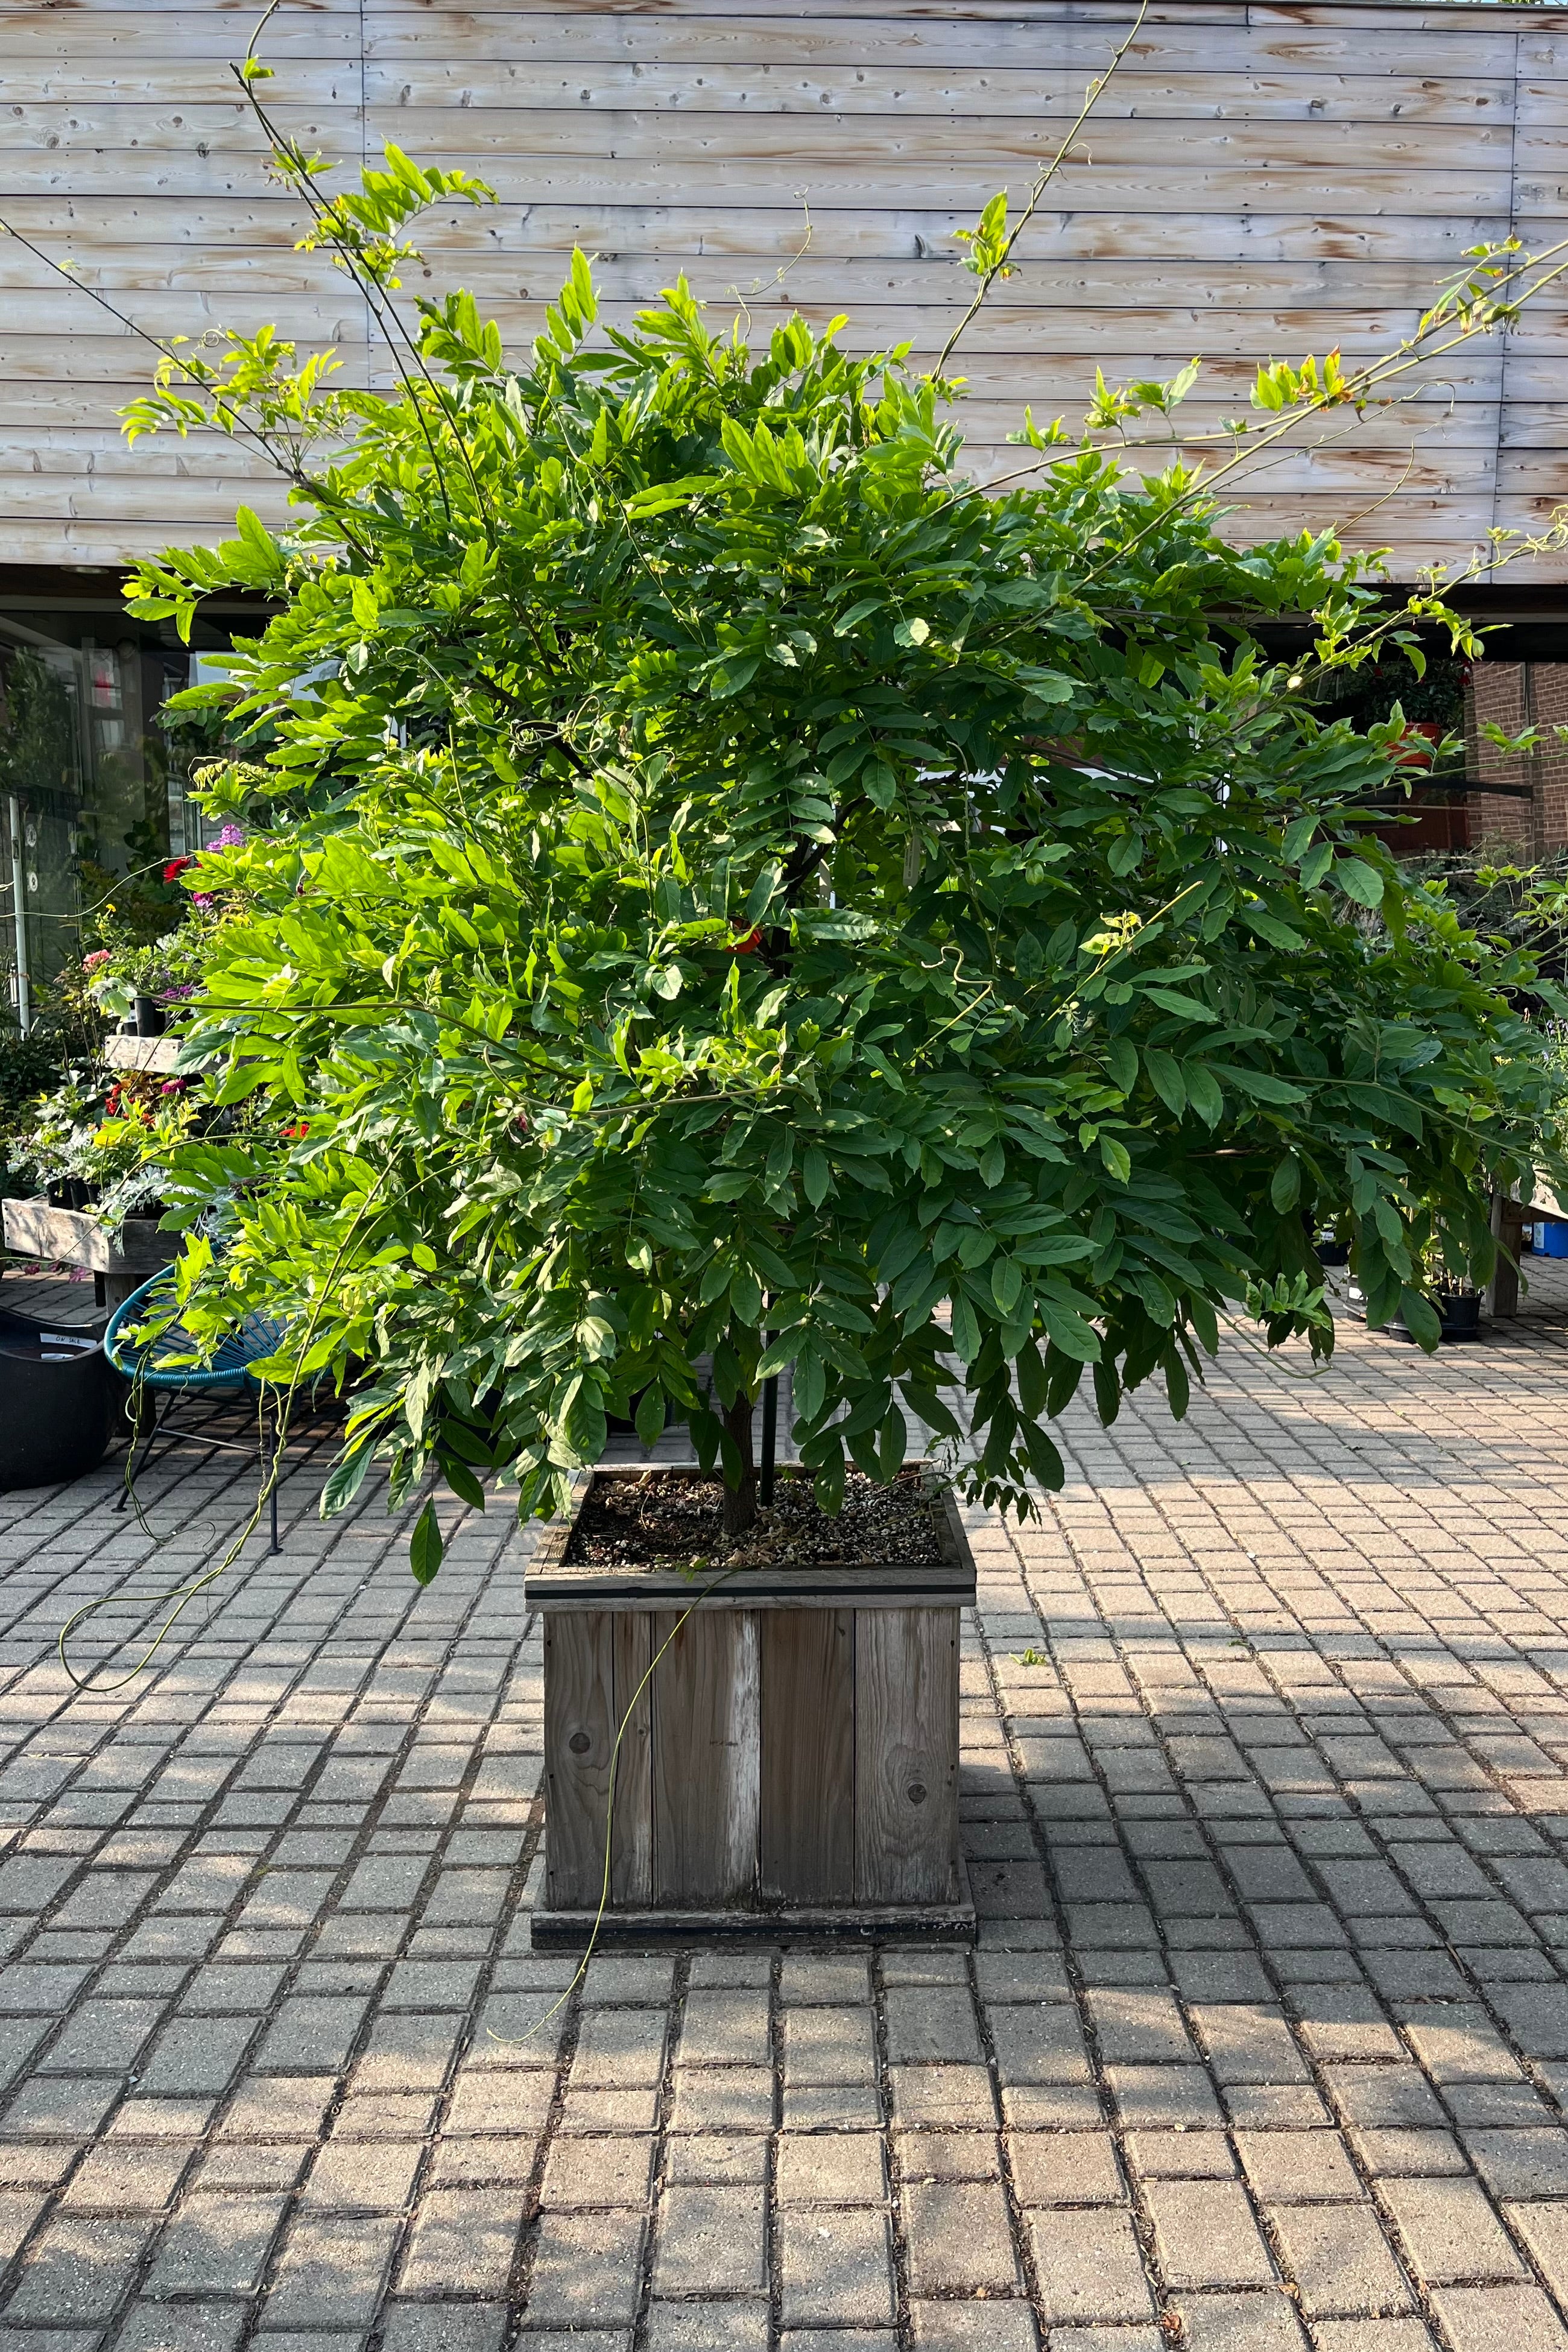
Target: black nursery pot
column 1330, row 1251
column 1460, row 1313
column 70, row 1192
column 53, row 1406
column 148, row 1017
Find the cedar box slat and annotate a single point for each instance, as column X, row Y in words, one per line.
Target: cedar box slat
column 631, row 1875
column 807, row 1836
column 790, row 1765
column 579, row 1729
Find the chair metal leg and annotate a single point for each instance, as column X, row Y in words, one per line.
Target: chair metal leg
column 273, row 1470
column 134, row 1467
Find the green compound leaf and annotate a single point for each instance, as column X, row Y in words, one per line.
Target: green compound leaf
column 426, row 1548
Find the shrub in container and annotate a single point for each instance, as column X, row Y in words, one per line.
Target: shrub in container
column 744, row 896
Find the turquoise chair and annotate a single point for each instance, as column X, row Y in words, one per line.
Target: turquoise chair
column 147, row 1365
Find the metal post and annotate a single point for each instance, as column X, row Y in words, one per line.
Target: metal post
column 770, row 1441
column 19, row 917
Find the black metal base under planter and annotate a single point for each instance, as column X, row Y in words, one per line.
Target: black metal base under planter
column 790, row 1770
column 1461, row 1317
column 904, row 1923
column 55, row 1405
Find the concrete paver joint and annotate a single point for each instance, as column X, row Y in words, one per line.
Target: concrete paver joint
column 1264, row 2038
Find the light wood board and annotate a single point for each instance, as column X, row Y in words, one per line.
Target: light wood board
column 1262, row 181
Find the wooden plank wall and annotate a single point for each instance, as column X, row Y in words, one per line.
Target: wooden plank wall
column 1260, row 180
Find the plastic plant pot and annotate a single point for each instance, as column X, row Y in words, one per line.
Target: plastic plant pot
column 55, row 1400
column 1461, row 1312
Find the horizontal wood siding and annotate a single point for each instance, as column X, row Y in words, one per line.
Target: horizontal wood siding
column 1259, row 181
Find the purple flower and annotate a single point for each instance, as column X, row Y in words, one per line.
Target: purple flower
column 231, row 837
column 177, row 994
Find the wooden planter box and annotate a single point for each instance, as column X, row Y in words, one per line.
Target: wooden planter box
column 791, row 1766
column 75, row 1237
column 159, row 1053
column 65, row 1236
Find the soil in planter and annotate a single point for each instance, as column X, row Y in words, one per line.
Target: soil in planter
column 668, row 1518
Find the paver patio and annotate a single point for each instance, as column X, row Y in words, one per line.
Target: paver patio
column 1264, row 2039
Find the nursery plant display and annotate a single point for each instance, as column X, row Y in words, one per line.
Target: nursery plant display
column 99, row 1136
column 101, row 1140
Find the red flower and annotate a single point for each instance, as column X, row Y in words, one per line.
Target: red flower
column 176, row 866
column 297, row 1131
column 747, row 946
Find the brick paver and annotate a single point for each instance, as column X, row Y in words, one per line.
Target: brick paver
column 1264, row 2041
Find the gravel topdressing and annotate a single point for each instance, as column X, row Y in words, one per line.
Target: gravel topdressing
column 670, row 1519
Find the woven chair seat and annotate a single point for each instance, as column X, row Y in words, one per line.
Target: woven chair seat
column 150, row 1362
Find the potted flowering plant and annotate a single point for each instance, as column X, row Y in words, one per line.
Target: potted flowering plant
column 58, row 1152
column 133, row 984
column 97, row 1149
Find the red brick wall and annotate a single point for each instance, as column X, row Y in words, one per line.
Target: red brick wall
column 1499, row 692
column 1549, row 696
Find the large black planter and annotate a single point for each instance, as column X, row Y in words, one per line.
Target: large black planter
column 55, row 1404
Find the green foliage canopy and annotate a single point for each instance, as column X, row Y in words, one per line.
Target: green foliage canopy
column 747, row 889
